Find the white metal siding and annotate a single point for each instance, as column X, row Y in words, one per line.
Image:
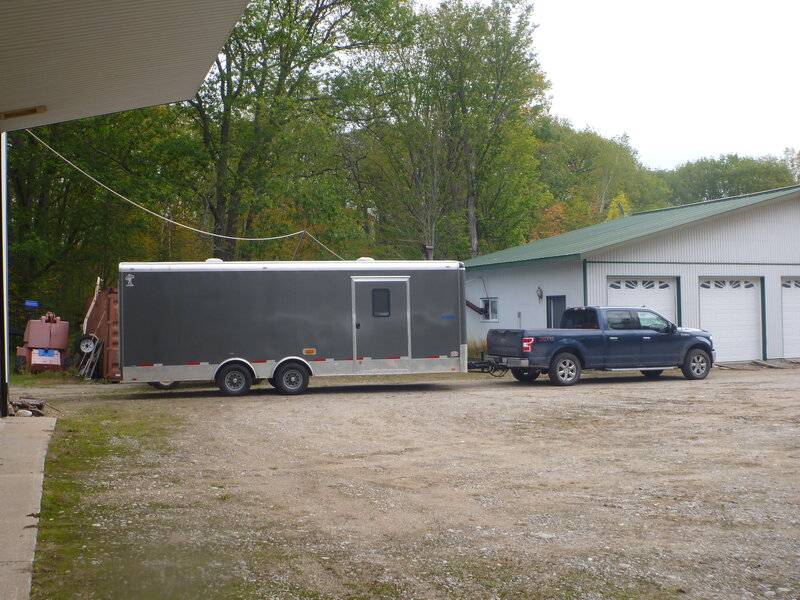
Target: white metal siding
column 790, row 308
column 761, row 234
column 730, row 309
column 515, row 290
column 657, row 293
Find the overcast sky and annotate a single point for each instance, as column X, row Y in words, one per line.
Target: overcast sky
column 684, row 79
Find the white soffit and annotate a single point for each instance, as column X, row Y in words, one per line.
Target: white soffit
column 80, row 58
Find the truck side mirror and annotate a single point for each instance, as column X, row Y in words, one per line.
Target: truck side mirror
column 673, row 328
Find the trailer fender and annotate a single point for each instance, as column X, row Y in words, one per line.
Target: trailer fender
column 292, row 359
column 239, row 360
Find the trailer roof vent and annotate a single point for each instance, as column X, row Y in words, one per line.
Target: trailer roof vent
column 213, row 260
column 365, row 258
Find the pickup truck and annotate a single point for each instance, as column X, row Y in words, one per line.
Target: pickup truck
column 602, row 338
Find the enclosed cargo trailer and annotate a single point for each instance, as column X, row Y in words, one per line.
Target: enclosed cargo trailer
column 235, row 323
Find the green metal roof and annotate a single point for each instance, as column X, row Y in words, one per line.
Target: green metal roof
column 578, row 243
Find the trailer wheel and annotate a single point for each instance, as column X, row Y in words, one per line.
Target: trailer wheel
column 234, row 379
column 291, row 379
column 271, row 381
column 86, row 344
column 524, row 375
column 163, row 385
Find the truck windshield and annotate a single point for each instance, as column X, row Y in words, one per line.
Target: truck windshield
column 579, row 319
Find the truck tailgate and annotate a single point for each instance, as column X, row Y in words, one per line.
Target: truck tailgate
column 504, row 342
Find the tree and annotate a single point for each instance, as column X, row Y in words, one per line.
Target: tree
column 492, row 81
column 729, row 175
column 620, row 206
column 269, row 76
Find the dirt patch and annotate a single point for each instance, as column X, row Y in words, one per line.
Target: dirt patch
column 459, row 487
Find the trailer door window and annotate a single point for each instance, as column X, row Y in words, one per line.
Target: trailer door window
column 381, row 302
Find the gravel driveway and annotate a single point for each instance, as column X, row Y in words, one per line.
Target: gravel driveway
column 467, row 487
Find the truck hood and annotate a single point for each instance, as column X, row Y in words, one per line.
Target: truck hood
column 694, row 331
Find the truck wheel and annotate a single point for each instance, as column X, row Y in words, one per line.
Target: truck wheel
column 565, row 369
column 234, row 379
column 524, row 375
column 164, row 385
column 291, row 379
column 652, row 374
column 697, row 364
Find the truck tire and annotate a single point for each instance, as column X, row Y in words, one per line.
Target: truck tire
column 565, row 369
column 291, row 379
column 524, row 375
column 234, row 379
column 164, row 385
column 696, row 364
column 652, row 374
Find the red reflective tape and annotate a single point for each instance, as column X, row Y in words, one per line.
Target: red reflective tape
column 392, row 358
column 259, row 361
column 317, row 360
column 193, row 363
column 432, row 356
column 145, row 365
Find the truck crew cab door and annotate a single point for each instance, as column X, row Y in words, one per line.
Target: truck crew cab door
column 623, row 339
column 381, row 327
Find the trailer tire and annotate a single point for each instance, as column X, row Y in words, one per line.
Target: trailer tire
column 291, row 378
column 86, row 344
column 565, row 369
column 234, row 379
column 271, row 381
column 524, row 375
column 164, row 385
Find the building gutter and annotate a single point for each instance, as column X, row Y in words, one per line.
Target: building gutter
column 519, row 263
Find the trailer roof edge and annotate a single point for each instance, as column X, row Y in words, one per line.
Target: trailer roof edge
column 325, row 265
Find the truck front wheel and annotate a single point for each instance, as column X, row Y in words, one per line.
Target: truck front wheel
column 565, row 369
column 697, row 364
column 524, row 375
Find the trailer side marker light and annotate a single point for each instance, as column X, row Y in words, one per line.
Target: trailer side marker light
column 309, row 351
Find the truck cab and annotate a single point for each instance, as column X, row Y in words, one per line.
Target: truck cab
column 603, row 338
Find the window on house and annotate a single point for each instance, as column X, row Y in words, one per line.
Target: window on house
column 381, row 302
column 489, row 309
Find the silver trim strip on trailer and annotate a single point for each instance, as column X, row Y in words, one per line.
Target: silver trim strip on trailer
column 320, row 368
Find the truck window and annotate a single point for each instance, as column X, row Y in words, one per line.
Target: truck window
column 650, row 320
column 621, row 319
column 381, row 304
column 579, row 319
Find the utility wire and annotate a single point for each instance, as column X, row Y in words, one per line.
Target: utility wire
column 167, row 219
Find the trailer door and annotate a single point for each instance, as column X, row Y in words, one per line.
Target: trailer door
column 381, row 324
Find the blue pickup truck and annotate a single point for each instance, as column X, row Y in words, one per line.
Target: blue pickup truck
column 602, row 338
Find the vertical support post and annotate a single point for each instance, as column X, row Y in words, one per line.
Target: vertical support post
column 4, row 244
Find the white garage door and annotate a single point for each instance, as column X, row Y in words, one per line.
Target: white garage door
column 655, row 293
column 731, row 310
column 790, row 299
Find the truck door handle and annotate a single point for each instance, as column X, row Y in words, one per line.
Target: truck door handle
column 647, row 337
column 358, row 325
column 613, row 338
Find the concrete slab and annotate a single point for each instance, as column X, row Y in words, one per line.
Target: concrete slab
column 23, row 446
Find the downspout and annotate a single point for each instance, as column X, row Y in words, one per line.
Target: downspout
column 585, row 286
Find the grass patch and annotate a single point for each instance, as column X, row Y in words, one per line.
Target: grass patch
column 76, row 530
column 44, row 379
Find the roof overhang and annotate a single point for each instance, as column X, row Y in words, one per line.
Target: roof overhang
column 523, row 263
column 64, row 60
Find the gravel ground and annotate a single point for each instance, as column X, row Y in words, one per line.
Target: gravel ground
column 471, row 487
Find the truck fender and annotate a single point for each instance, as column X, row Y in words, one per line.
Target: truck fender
column 570, row 345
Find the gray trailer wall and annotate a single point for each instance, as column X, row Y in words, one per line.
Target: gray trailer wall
column 179, row 317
